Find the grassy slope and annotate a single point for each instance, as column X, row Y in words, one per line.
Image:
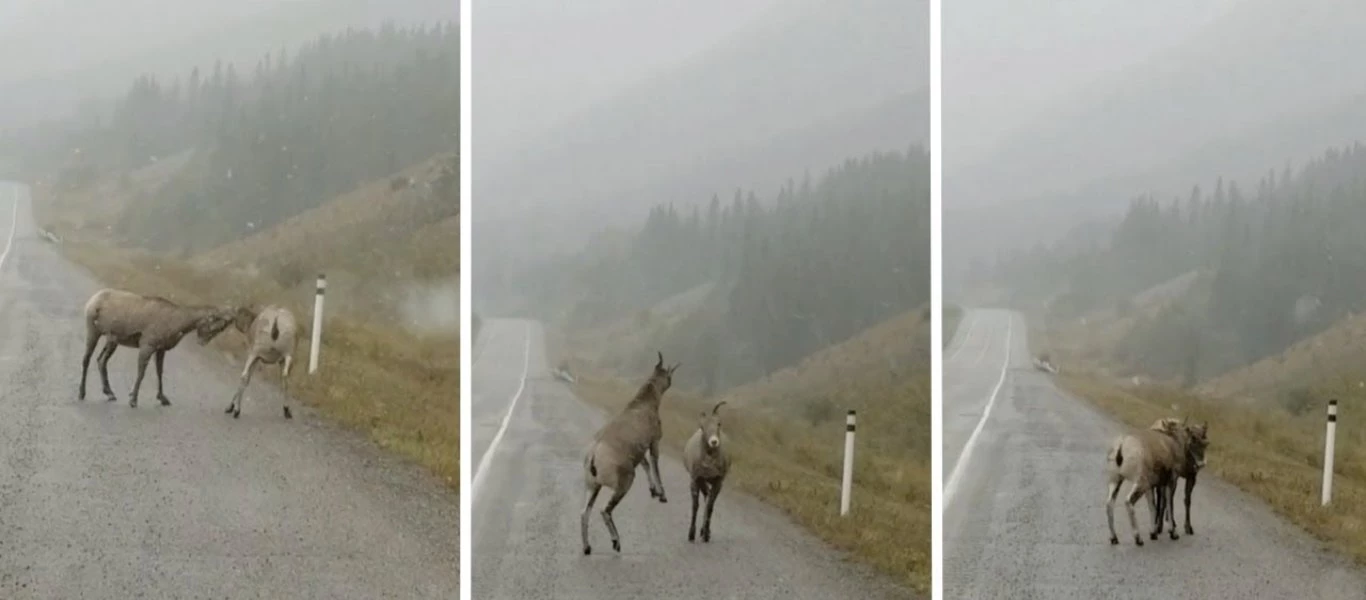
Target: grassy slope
column 90, row 209
column 786, row 432
column 397, row 229
column 400, row 389
column 1327, row 360
column 1258, row 445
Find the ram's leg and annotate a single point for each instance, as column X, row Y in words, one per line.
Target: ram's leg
column 1110, row 509
column 161, row 390
column 144, row 357
column 1134, row 496
column 284, row 383
column 1190, row 486
column 103, row 364
column 92, row 339
column 236, row 407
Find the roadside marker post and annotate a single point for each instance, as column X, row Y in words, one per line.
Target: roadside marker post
column 848, row 463
column 317, row 325
column 1328, row 451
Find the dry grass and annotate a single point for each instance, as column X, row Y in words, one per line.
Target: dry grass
column 402, row 391
column 363, row 226
column 787, row 432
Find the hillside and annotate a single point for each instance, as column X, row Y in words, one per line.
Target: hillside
column 409, row 206
column 1329, row 363
column 883, row 372
column 750, row 269
column 263, row 145
column 410, row 236
column 408, row 225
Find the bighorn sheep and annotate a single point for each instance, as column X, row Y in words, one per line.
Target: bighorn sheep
column 151, row 324
column 707, row 460
column 271, row 337
column 629, row 438
column 1195, row 440
column 1148, row 459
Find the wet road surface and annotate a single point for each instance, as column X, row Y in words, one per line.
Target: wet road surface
column 1025, row 499
column 529, row 493
column 99, row 500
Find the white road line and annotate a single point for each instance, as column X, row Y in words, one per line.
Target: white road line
column 967, row 335
column 951, row 487
column 482, row 469
column 13, row 224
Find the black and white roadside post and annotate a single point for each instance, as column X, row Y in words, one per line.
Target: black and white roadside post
column 1328, row 451
column 317, row 324
column 848, row 484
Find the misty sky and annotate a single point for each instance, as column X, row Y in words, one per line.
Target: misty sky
column 39, row 35
column 1007, row 62
column 537, row 62
column 54, row 53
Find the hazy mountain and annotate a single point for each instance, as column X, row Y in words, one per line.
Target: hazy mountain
column 801, row 86
column 1266, row 83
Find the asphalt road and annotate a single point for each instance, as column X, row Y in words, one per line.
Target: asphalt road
column 528, row 495
column 99, row 500
column 1024, row 509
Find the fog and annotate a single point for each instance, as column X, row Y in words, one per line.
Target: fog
column 528, row 52
column 1007, row 64
column 1053, row 120
column 587, row 116
column 53, row 55
column 1180, row 183
column 431, row 308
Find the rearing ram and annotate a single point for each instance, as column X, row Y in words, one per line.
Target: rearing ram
column 630, row 438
